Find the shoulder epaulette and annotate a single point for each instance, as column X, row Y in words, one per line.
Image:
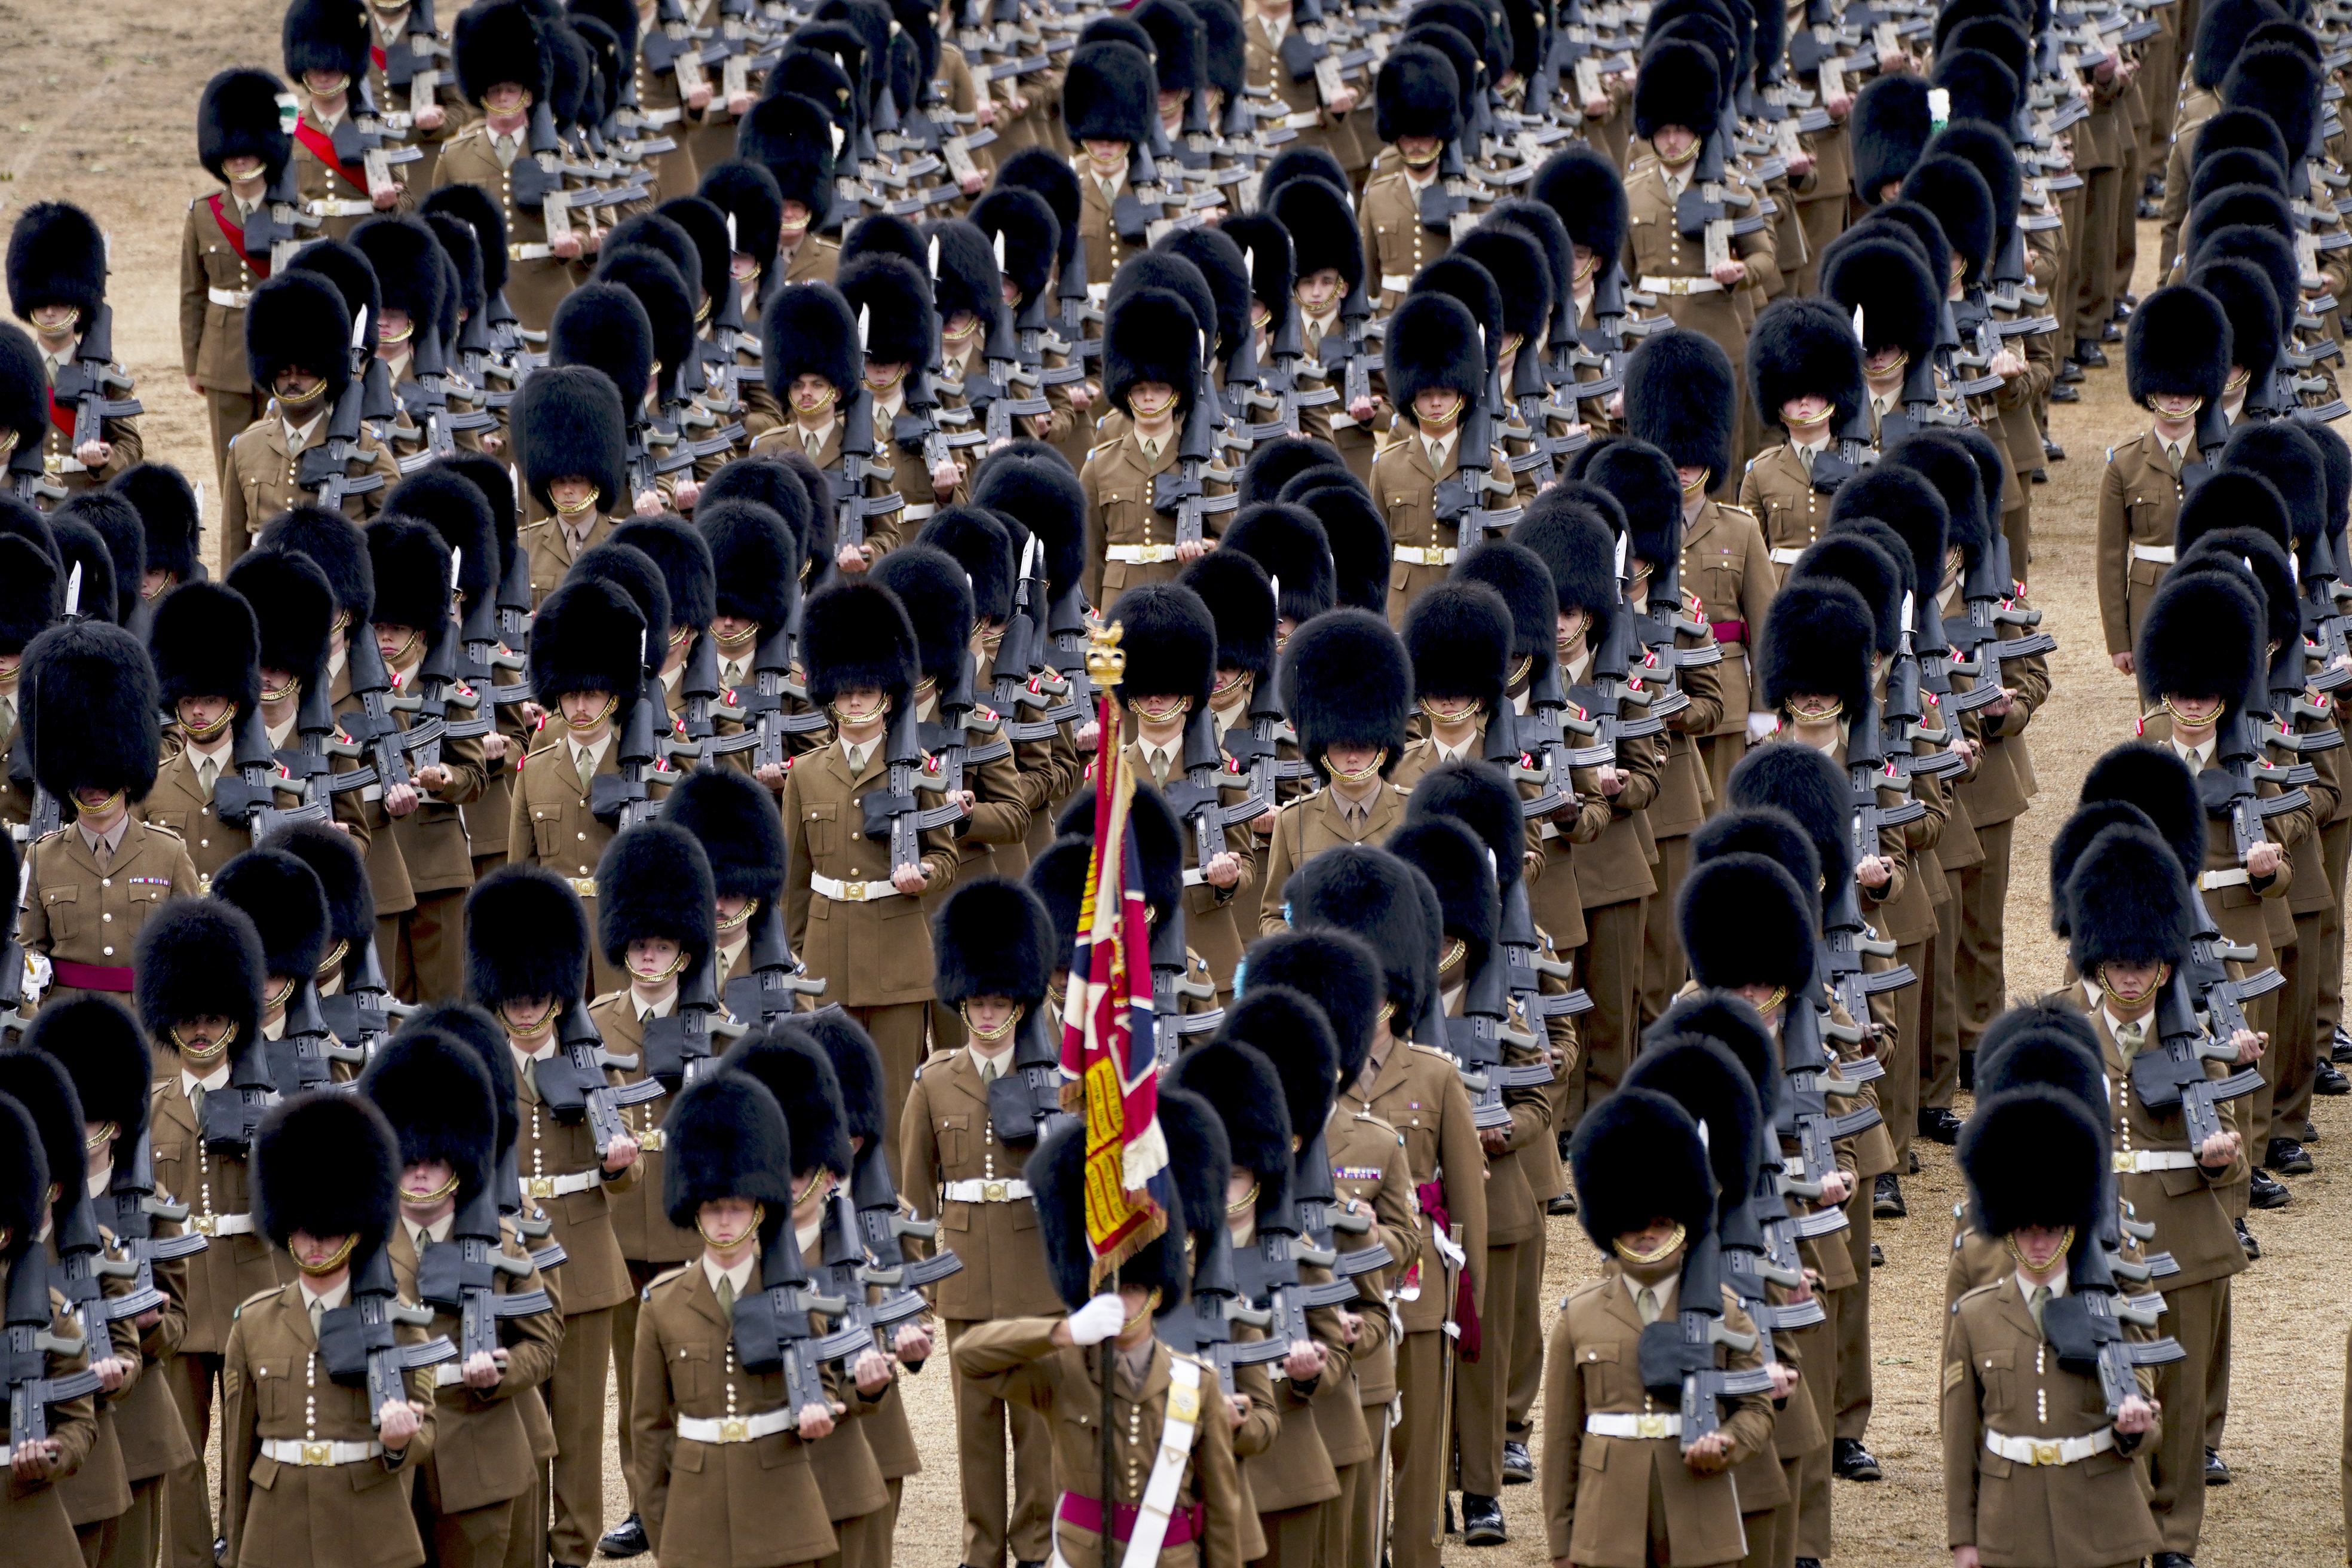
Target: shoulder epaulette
column 257, row 1295
column 1977, row 1290
column 1099, row 450
column 1430, row 1051
column 45, row 837
column 1587, row 1288
column 1743, row 511
column 174, row 834
column 1383, row 1126
column 662, row 1278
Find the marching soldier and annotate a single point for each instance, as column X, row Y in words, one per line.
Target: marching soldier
column 655, row 924
column 1417, row 109
column 479, row 1478
column 527, row 963
column 206, row 648
column 790, row 137
column 242, row 143
column 295, row 606
column 569, row 424
column 167, row 511
column 298, row 334
column 56, row 286
column 326, row 57
column 1804, row 376
column 814, row 360
column 33, row 1505
column 1152, row 367
column 742, row 839
column 320, row 1474
column 199, row 999
column 1109, row 100
column 2175, row 359
column 502, row 60
column 1435, row 369
column 960, row 1162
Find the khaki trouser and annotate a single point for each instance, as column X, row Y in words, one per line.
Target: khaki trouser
column 990, row 1528
column 624, row 1371
column 188, row 1509
column 1417, row 1450
column 1980, row 896
column 2094, row 251
column 1663, row 967
column 575, row 1403
column 1528, row 1334
column 2295, row 1050
column 136, row 1534
column 1481, row 1387
column 897, row 1033
column 1852, row 1382
column 227, row 413
column 1610, row 974
column 2198, row 1317
column 1912, row 1006
column 473, row 1538
column 424, row 948
column 1369, row 1491
column 1939, row 1057
column 1818, row 1348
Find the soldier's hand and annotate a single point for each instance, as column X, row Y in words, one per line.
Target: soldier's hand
column 1873, row 871
column 494, row 746
column 432, row 117
column 1344, row 101
column 913, row 1342
column 1237, row 1408
column 2263, row 859
column 397, row 1422
column 621, row 1153
column 852, row 558
column 1731, row 273
column 481, row 1370
column 433, row 778
column 1082, row 397
column 910, row 881
column 400, row 800
column 1838, row 107
column 2249, row 1043
column 1304, row 1362
column 2136, row 1416
column 973, row 184
column 533, row 715
column 1492, row 1139
column 493, row 442
column 110, row 1373
column 1191, row 550
column 1802, row 165
column 1836, row 1187
column 33, row 1462
column 1363, row 411
column 385, row 199
column 94, row 454
column 2123, row 662
column 985, row 112
column 648, row 503
column 770, row 774
column 146, row 1320
column 1223, row 869
column 945, row 476
column 966, row 799
column 1263, row 824
column 1710, row 1454
column 1762, row 727
column 1613, row 781
column 699, row 97
column 872, row 1374
column 2218, row 1152
column 2007, row 363
column 1966, row 1557
column 1597, row 108
column 566, row 245
column 687, row 494
column 2001, row 706
column 196, row 386
column 739, row 104
column 816, row 1422
column 1092, row 1323
column 1784, row 1379
column 1351, row 1325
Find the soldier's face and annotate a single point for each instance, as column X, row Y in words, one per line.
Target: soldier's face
column 1586, row 258
column 278, row 686
column 1437, row 408
column 1351, row 759
column 731, row 909
column 156, row 582
column 1150, row 399
column 1802, row 415
column 55, row 320
column 1812, row 707
column 295, row 384
column 585, row 710
column 1650, row 1240
column 1884, row 363
column 243, row 167
column 524, row 1014
column 732, row 631
column 315, row 1253
column 391, row 328
column 1419, row 152
column 99, row 805
column 727, row 1223
column 796, row 218
column 2039, row 1246
column 860, row 705
column 1320, row 290
column 326, row 84
column 881, row 378
column 2194, row 712
column 1675, row 143
column 1009, row 289
column 1568, row 633
column 1171, row 104
column 427, row 1186
column 1106, row 155
column 1161, row 711
column 988, row 1016
column 2130, row 983
column 1756, row 994
column 202, row 715
column 505, row 99
column 395, row 642
column 810, row 1190
column 2174, row 408
column 812, row 394
column 198, row 1036
column 653, row 959
column 9, row 663
column 570, row 495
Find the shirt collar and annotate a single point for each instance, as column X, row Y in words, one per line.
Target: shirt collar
column 217, row 1079
column 328, row 1301
column 422, row 1235
column 661, row 1009
column 589, row 756
column 279, row 734
column 982, row 1061
column 107, row 843
column 740, row 1277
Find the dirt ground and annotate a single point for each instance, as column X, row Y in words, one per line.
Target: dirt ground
column 100, row 107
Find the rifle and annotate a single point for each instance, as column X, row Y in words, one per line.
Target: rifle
column 248, row 799
column 1609, row 688
column 2229, row 789
column 698, row 689
column 1196, row 800
column 1805, row 1116
column 357, row 1343
column 82, row 1266
column 1458, row 499
column 132, row 1197
column 573, row 1084
column 269, row 232
column 324, row 468
column 851, row 502
column 2174, row 1073
column 1011, row 688
column 1203, row 1327
column 773, row 1330
column 1677, row 1356
column 1704, row 211
column 762, row 707
column 1026, row 1103
column 458, row 1276
column 1988, row 589
column 1317, row 1206
column 892, row 812
column 233, row 1115
column 376, row 734
column 1906, row 703
column 1180, row 493
column 298, row 1056
column 1266, row 1275
column 677, row 1050
column 31, row 1341
column 777, row 977
column 1476, row 1040
column 2086, row 1326
column 874, row 1193
column 1172, row 986
column 1254, row 745
column 949, row 743
column 845, row 1273
column 362, row 1014
column 86, row 382
column 620, row 798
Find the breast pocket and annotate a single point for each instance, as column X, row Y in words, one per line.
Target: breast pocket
column 691, row 1374
column 62, row 908
column 1996, row 1369
column 275, row 1396
column 824, row 830
column 955, row 1140
column 1597, row 1365
column 546, row 831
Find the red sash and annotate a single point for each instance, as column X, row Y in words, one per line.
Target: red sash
column 62, row 416
column 323, row 147
column 375, row 54
column 236, row 238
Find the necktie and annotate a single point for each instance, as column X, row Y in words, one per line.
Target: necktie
column 1645, row 1301
column 1805, row 460
column 1151, row 452
column 318, row 1311
column 507, row 148
column 197, row 1102
column 7, row 715
column 2039, row 1299
column 811, row 441
column 1158, row 765
column 989, row 1072
column 207, row 770
column 732, row 675
column 1314, row 341
column 104, row 854
column 2128, row 1039
column 726, row 1297
column 1437, row 454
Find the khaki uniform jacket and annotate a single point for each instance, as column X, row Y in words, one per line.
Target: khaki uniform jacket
column 258, row 480
column 1776, row 491
column 387, row 866
column 1728, row 564
column 67, row 471
column 1404, row 490
column 1655, row 247
column 211, row 334
column 552, row 554
column 481, row 1449
column 882, row 530
column 147, row 1419
column 2185, row 1205
column 534, row 286
column 1370, row 1170
column 2003, row 783
column 34, row 1529
column 1316, row 126
column 274, row 1386
column 1017, row 1362
column 432, row 838
column 715, row 1505
column 1117, row 485
column 813, row 260
column 1685, row 794
column 1297, row 1468
column 101, row 1490
column 876, row 953
column 843, row 1460
column 1107, row 251
column 184, row 807
column 1597, row 1490
column 211, row 1183
column 75, row 913
column 1418, row 1092
column 639, row 1221
column 317, row 184
column 594, row 1276
column 1999, row 1376
column 1213, row 916
column 1307, row 826
column 2240, row 907
column 945, row 1135
column 550, row 822
column 1615, row 866
column 1397, row 244
column 2139, row 497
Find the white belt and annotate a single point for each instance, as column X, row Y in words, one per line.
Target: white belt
column 1395, row 282
column 449, row 1375
column 1784, row 557
column 850, row 892
column 65, row 465
column 2050, row 1451
column 735, row 1428
column 229, row 299
column 531, row 251
column 560, row 1186
column 1679, row 285
column 335, row 207
column 1305, row 120
column 2139, row 1162
column 1547, row 830
column 1658, row 1425
column 979, row 1191
column 919, row 512
column 1429, row 555
column 221, row 1224
column 1140, row 554
column 2235, row 877
column 2165, row 553
column 293, row 1451
column 660, row 116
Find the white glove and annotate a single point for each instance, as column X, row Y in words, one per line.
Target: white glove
column 1098, row 1320
column 1761, row 726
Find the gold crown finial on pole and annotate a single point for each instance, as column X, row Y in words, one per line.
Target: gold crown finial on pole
column 1104, row 663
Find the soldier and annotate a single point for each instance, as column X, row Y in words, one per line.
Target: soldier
column 326, row 57
column 1153, row 366
column 1644, row 1197
column 1435, row 371
column 2032, row 1158
column 168, row 513
column 1109, row 109
column 2176, row 355
column 242, row 143
column 861, row 657
column 479, row 1476
column 725, row 1471
column 56, row 286
column 205, row 646
column 325, row 1167
column 569, row 424
column 1348, row 687
column 957, row 1163
column 33, row 1506
column 814, row 358
column 1804, row 376
column 503, row 65
column 527, row 963
column 89, row 887
column 656, row 925
column 1417, row 109
column 1889, row 282
column 792, row 137
column 756, row 567
column 2127, row 902
column 296, row 333
column 199, row 999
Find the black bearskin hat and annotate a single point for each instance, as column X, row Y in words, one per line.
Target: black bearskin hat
column 1744, row 921
column 1245, row 1089
column 526, row 936
column 754, row 554
column 294, row 607
column 1701, row 1075
column 287, row 905
column 569, row 424
column 586, row 638
column 436, row 1094
column 1804, row 347
column 90, row 696
column 930, row 587
column 298, row 321
column 656, row 881
column 1432, row 344
column 1889, row 283
column 2033, row 1157
column 206, row 643
column 1817, row 639
column 2128, row 902
column 735, row 822
column 238, row 118
column 993, row 938
column 1680, row 397
column 799, row 1073
column 1336, row 968
column 341, row 867
column 1458, row 636
column 2202, row 637
column 96, row 1043
column 1346, row 680
column 1170, row 644
column 1240, row 601
column 167, row 509
column 1637, row 1157
column 726, row 1137
column 1812, row 788
column 199, row 958
column 857, row 635
column 1290, row 544
column 1375, row 895
column 326, row 1164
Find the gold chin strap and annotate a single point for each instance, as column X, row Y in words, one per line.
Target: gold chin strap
column 1445, row 422
column 1442, row 715
column 1226, row 684
column 102, row 808
column 527, row 1031
column 1151, row 1305
column 206, row 731
column 740, row 639
column 881, row 386
column 750, row 908
column 278, row 998
column 963, row 1011
column 1424, row 162
column 2178, row 717
column 1773, row 1002
column 612, row 703
column 399, row 655
column 759, row 1217
column 1686, row 157
column 1361, row 775
column 957, row 335
column 1816, row 715
column 816, row 1176
column 1453, row 957
column 401, row 336
column 334, row 959
column 2238, row 377
column 302, row 399
column 576, row 508
column 2065, row 1245
column 676, row 965
column 332, row 1261
column 1663, row 1250
column 1246, row 1203
column 1697, row 484
column 107, row 1133
column 419, row 1200
column 2139, row 999
column 201, row 1053
column 1807, row 424
column 285, row 693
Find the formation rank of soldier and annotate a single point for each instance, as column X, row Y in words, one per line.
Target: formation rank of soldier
column 624, row 757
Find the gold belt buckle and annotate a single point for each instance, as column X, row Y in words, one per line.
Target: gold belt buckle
column 992, row 1191
column 734, row 1429
column 317, row 1454
column 2122, row 1160
column 1649, row 1426
column 53, row 463
column 206, row 1225
column 540, row 1186
column 654, row 1140
column 2045, row 1453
